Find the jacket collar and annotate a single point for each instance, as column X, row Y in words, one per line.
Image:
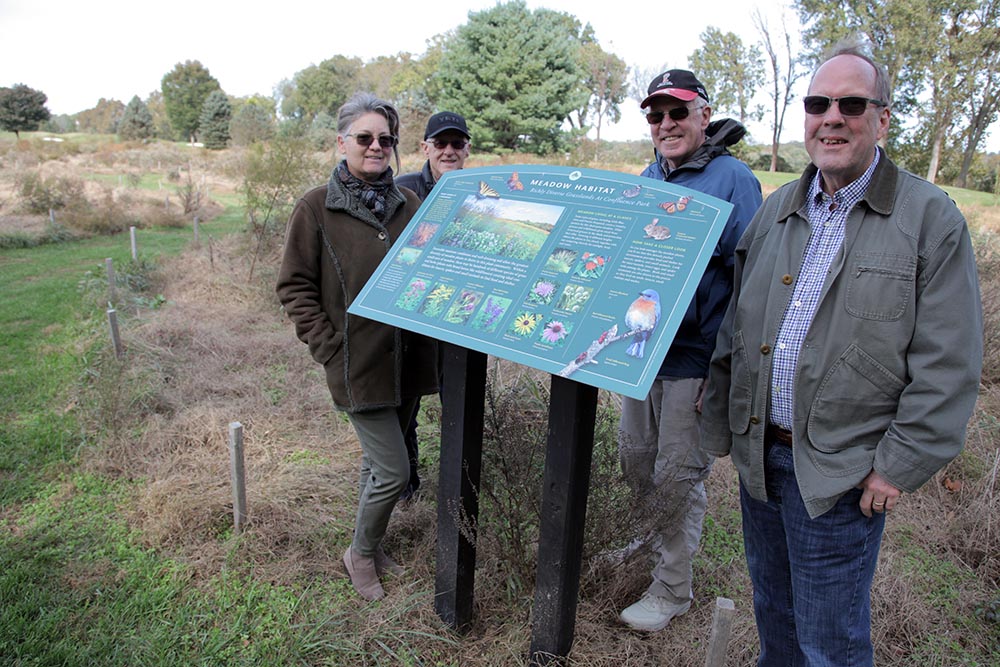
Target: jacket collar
column 339, row 199
column 428, row 176
column 880, row 194
column 719, row 135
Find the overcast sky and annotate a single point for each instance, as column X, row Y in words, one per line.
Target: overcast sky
column 78, row 52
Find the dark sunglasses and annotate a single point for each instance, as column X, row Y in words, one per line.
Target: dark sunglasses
column 817, row 105
column 676, row 114
column 385, row 141
column 441, row 144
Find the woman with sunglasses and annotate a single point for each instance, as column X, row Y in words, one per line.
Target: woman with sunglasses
column 336, row 237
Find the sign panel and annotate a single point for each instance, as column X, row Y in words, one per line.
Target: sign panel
column 577, row 272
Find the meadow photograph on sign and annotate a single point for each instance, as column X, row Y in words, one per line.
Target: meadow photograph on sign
column 505, row 228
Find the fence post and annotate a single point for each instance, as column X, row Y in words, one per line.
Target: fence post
column 116, row 339
column 196, row 230
column 238, row 474
column 135, row 252
column 109, row 264
column 722, row 624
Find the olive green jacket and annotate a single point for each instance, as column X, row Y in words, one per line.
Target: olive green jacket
column 889, row 370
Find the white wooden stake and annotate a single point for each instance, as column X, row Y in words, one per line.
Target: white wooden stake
column 112, row 292
column 238, row 475
column 116, row 339
column 135, row 252
column 722, row 625
column 196, row 230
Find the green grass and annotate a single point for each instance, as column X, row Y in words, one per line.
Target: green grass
column 77, row 588
column 775, row 179
column 46, row 333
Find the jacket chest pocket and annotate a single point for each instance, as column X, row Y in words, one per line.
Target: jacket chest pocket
column 880, row 285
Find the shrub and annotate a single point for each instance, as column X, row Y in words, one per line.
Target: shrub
column 190, row 193
column 39, row 194
column 510, row 494
column 251, row 124
column 274, row 176
column 105, row 216
column 323, row 132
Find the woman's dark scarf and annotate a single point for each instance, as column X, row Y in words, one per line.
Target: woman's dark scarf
column 371, row 194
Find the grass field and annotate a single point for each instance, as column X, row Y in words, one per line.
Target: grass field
column 116, row 546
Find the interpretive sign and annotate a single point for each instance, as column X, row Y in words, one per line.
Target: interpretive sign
column 577, row 272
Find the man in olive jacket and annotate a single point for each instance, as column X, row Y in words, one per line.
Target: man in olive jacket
column 846, row 368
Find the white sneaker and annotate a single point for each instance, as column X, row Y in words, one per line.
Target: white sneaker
column 652, row 613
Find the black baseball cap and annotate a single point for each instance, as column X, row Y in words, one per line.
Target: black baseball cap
column 679, row 83
column 445, row 120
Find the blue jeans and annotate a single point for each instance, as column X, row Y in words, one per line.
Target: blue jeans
column 811, row 577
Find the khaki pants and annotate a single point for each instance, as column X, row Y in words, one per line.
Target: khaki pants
column 385, row 470
column 663, row 464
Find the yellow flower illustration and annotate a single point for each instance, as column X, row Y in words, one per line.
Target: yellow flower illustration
column 525, row 323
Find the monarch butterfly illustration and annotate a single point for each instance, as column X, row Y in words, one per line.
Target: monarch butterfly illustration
column 514, row 183
column 679, row 205
column 486, row 191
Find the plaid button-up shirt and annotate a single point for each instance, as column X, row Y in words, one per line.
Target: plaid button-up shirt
column 827, row 217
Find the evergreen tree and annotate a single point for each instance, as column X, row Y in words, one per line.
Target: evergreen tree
column 185, row 89
column 213, row 124
column 514, row 74
column 22, row 108
column 136, row 122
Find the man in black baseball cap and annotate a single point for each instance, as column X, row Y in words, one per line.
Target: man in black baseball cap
column 446, row 145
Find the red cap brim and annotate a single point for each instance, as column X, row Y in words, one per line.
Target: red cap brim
column 679, row 93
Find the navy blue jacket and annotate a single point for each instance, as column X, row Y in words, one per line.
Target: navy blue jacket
column 712, row 170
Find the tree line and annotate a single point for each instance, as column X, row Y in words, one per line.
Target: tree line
column 538, row 81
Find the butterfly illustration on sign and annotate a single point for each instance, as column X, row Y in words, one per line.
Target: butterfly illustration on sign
column 673, row 207
column 486, row 191
column 514, row 183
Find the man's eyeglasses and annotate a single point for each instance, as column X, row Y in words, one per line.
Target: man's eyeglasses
column 366, row 140
column 457, row 144
column 817, row 105
column 676, row 114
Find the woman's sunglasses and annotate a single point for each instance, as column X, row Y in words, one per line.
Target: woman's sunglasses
column 441, row 144
column 676, row 114
column 366, row 140
column 817, row 105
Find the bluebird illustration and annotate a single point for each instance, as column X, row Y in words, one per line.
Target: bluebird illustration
column 642, row 315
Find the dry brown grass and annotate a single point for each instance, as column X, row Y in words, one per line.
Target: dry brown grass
column 221, row 351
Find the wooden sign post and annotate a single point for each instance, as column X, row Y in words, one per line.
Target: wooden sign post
column 572, row 414
column 462, row 397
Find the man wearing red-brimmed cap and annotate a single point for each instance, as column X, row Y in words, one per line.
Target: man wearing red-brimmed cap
column 658, row 443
